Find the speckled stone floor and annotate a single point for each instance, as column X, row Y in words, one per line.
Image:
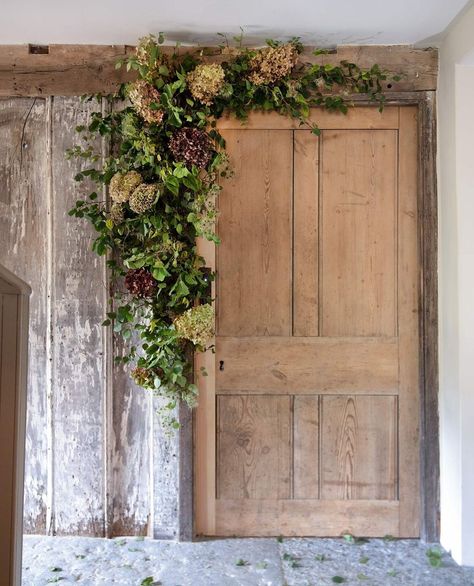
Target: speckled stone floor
column 238, row 562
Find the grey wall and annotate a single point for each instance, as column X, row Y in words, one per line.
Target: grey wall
column 97, row 460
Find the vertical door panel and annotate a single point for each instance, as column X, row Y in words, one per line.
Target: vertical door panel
column 358, row 232
column 254, row 259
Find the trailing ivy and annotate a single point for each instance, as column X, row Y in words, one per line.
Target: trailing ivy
column 164, row 174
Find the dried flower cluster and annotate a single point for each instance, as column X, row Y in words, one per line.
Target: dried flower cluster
column 146, row 99
column 205, row 82
column 191, row 146
column 140, row 282
column 116, row 213
column 143, row 377
column 272, row 63
column 196, row 324
column 123, row 184
column 143, row 197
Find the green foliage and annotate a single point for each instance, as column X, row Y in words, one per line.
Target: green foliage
column 435, row 557
column 157, row 233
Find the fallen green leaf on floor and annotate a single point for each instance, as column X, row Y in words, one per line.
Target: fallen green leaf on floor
column 338, row 579
column 389, row 538
column 149, row 581
column 348, row 538
column 321, row 557
column 55, row 579
column 362, row 577
column 280, row 539
column 79, row 556
column 242, row 562
column 121, row 542
column 262, row 566
column 55, row 569
column 392, row 573
column 435, row 557
column 363, row 560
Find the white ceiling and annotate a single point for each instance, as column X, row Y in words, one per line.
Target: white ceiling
column 321, row 22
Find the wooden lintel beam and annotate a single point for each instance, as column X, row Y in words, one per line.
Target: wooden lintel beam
column 70, row 70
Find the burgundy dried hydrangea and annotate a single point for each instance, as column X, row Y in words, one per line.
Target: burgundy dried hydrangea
column 191, row 146
column 140, row 282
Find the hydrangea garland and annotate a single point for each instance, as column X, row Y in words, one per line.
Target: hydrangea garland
column 163, row 178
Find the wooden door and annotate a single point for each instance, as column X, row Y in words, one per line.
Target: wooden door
column 13, row 353
column 308, row 418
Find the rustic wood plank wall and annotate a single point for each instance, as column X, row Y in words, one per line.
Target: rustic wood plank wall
column 97, row 462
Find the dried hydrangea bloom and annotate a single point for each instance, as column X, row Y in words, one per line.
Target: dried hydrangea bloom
column 123, row 184
column 140, row 282
column 196, row 324
column 272, row 63
column 191, row 146
column 142, row 95
column 205, row 82
column 116, row 213
column 144, row 48
column 143, row 197
column 143, row 377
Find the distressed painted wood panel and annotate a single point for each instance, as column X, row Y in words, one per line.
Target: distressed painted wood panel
column 358, row 233
column 255, row 228
column 129, row 451
column 359, row 458
column 77, row 300
column 24, row 237
column 253, row 447
column 91, row 463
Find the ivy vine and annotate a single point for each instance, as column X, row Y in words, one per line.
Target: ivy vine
column 166, row 167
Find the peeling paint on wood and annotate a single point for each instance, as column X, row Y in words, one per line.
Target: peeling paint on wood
column 24, row 127
column 97, row 462
column 77, row 342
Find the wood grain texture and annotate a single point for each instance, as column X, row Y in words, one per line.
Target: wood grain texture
column 205, row 421
column 253, row 447
column 307, row 365
column 358, row 233
column 24, row 209
column 255, row 227
column 306, row 447
column 305, row 234
column 305, row 518
column 428, row 243
column 359, row 448
column 78, row 291
column 355, row 119
column 80, row 69
column 408, row 303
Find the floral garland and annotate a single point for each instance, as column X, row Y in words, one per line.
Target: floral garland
column 163, row 177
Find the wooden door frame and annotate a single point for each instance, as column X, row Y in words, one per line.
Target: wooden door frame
column 428, row 340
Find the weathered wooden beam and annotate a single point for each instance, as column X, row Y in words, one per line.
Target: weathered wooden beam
column 72, row 70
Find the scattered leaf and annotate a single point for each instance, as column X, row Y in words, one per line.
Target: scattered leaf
column 321, row 557
column 362, row 577
column 392, row 573
column 241, row 562
column 262, row 566
column 338, row 579
column 363, row 560
column 435, row 556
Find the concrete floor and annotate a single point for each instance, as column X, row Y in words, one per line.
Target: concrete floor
column 237, row 562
